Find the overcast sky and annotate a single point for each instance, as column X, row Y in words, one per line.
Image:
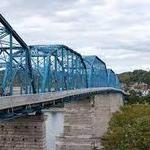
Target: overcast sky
column 118, row 31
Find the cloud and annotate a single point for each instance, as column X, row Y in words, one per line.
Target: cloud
column 116, row 31
column 4, row 4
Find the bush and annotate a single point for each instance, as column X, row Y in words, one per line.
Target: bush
column 135, row 98
column 129, row 129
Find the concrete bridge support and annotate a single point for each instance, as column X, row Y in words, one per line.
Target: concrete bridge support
column 86, row 121
column 26, row 133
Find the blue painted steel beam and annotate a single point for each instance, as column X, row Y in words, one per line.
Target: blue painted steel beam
column 113, row 80
column 47, row 68
column 96, row 70
column 10, row 39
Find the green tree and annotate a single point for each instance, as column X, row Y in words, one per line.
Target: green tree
column 129, row 129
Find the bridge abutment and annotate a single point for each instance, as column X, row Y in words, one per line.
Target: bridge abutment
column 86, row 121
column 26, row 133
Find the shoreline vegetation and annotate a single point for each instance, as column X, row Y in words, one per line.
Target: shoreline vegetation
column 129, row 128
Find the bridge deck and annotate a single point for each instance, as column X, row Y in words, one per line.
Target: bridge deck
column 31, row 102
column 28, row 99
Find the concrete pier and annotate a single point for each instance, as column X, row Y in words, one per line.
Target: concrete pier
column 27, row 133
column 86, row 121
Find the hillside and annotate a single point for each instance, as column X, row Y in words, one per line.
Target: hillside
column 137, row 76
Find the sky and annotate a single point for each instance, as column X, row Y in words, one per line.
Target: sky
column 117, row 31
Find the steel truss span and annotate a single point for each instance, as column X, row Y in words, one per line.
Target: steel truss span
column 47, row 68
column 113, row 80
column 96, row 71
column 11, row 67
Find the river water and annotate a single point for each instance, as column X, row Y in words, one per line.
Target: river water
column 54, row 127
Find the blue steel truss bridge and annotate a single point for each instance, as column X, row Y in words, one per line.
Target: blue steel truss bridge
column 31, row 69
